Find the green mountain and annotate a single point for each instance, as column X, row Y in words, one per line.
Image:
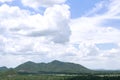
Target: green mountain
column 3, row 68
column 52, row 67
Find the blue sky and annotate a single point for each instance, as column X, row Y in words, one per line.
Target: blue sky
column 81, row 7
column 80, row 31
column 77, row 7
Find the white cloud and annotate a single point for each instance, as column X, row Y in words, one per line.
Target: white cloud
column 90, row 29
column 6, row 1
column 53, row 24
column 93, row 28
column 113, row 8
column 7, row 60
column 26, row 36
column 41, row 3
column 55, row 20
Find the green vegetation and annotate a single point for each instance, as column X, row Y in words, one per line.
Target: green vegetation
column 58, row 77
column 3, row 68
column 55, row 70
column 52, row 67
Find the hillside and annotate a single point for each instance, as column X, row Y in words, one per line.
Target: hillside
column 3, row 68
column 52, row 67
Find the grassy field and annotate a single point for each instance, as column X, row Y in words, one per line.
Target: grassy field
column 59, row 77
column 13, row 75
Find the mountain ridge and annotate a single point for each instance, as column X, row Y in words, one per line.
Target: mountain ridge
column 52, row 67
column 4, row 68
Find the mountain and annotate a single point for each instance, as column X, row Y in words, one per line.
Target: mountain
column 52, row 67
column 3, row 68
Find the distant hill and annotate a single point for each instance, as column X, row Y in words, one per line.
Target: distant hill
column 3, row 68
column 52, row 67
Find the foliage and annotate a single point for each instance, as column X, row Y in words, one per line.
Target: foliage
column 59, row 77
column 52, row 67
column 55, row 70
column 12, row 74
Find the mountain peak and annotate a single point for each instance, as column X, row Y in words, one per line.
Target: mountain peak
column 3, row 68
column 54, row 66
column 55, row 61
column 29, row 62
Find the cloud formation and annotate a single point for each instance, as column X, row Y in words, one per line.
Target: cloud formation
column 42, row 3
column 53, row 25
column 3, row 1
column 90, row 29
column 56, row 21
column 28, row 35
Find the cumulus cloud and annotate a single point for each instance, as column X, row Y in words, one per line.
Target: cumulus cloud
column 26, row 35
column 53, row 25
column 41, row 3
column 33, row 36
column 56, row 19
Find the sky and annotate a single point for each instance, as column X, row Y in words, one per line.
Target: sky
column 85, row 32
